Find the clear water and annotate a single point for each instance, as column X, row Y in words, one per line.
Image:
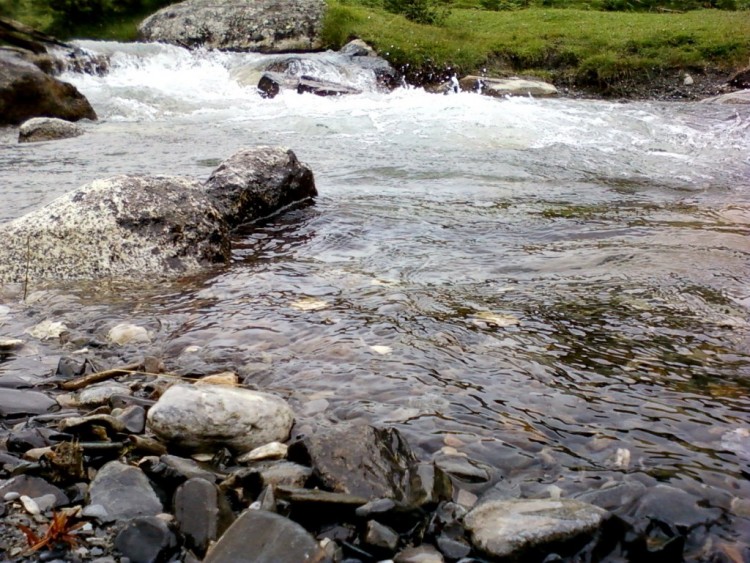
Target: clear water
column 541, row 284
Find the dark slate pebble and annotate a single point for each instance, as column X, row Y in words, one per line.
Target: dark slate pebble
column 133, row 418
column 200, row 513
column 381, row 537
column 20, row 441
column 146, row 539
column 453, row 548
column 17, row 402
column 264, row 537
column 124, row 492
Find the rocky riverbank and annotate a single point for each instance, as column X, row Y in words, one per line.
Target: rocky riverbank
column 124, row 462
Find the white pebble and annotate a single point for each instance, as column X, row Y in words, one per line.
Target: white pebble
column 11, row 496
column 272, row 450
column 30, row 505
column 125, row 333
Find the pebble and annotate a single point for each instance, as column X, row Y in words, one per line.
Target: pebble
column 272, row 450
column 30, row 505
column 126, row 333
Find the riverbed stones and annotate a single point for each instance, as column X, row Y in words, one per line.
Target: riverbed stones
column 38, row 129
column 146, row 539
column 258, row 536
column 208, row 417
column 510, row 528
column 20, row 402
column 254, row 183
column 267, row 26
column 123, row 492
column 501, row 87
column 26, row 92
column 741, row 97
column 198, row 513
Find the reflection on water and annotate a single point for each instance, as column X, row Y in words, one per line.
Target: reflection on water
column 556, row 289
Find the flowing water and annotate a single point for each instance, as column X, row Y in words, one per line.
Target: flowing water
column 556, row 288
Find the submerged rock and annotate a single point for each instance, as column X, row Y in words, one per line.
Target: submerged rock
column 26, row 92
column 207, row 417
column 47, row 129
column 509, row 528
column 499, row 87
column 258, row 536
column 267, row 26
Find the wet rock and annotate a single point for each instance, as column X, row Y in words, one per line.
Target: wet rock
column 40, row 129
column 126, row 333
column 264, row 537
column 24, row 439
column 264, row 25
column 101, row 394
column 319, row 87
column 146, row 539
column 453, row 548
column 32, row 487
column 741, row 97
column 133, row 418
column 429, row 485
column 97, row 426
column 511, row 528
column 197, row 508
column 462, row 468
column 618, row 496
column 117, row 227
column 9, row 344
column 202, row 418
column 358, row 459
column 21, row 402
column 424, row 553
column 284, row 473
column 272, row 83
column 254, row 183
column 123, row 492
column 26, row 91
column 69, row 367
column 500, row 87
column 675, row 507
column 379, row 536
column 272, row 450
column 181, row 469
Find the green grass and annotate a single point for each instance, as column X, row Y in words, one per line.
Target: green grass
column 585, row 46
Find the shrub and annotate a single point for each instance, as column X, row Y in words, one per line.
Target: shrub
column 418, row 11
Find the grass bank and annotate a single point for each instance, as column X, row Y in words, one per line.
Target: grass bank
column 584, row 48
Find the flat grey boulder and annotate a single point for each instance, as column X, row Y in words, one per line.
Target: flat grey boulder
column 125, row 226
column 123, row 492
column 267, row 26
column 510, row 528
column 741, row 97
column 161, row 226
column 17, row 402
column 26, row 91
column 500, row 87
column 207, row 417
column 39, row 129
column 258, row 536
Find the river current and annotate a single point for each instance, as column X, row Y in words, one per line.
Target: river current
column 557, row 289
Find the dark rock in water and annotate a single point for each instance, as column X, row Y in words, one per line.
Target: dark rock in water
column 254, row 183
column 615, row 497
column 358, row 459
column 206, row 417
column 124, row 492
column 429, row 485
column 17, row 402
column 26, row 91
column 264, row 537
column 382, row 537
column 740, row 79
column 146, row 539
column 69, row 367
column 514, row 528
column 198, row 510
column 38, row 129
column 268, row 26
column 675, row 507
column 271, row 83
column 33, row 487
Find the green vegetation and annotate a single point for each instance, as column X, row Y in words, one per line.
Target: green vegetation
column 579, row 46
column 576, row 42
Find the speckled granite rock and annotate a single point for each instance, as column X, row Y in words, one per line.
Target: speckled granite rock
column 40, row 129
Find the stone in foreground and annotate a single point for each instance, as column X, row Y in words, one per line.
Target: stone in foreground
column 500, row 87
column 208, row 417
column 510, row 528
column 123, row 492
column 267, row 26
column 40, row 129
column 258, row 536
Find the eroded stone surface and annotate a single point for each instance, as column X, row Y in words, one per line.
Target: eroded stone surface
column 499, row 87
column 40, row 129
column 123, row 492
column 509, row 527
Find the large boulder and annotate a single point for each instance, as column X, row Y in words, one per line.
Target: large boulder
column 26, row 91
column 123, row 226
column 267, row 26
column 135, row 226
column 207, row 417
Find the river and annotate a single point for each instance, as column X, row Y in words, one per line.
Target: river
column 557, row 289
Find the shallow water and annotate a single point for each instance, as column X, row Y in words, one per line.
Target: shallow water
column 557, row 289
